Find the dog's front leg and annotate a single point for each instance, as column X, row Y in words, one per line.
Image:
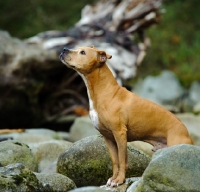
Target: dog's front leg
column 112, row 147
column 121, row 140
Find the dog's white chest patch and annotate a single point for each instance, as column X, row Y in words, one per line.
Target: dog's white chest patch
column 93, row 114
column 94, row 118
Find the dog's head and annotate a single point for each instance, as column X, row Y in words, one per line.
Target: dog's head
column 84, row 59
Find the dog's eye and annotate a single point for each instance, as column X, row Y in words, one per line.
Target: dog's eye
column 82, row 52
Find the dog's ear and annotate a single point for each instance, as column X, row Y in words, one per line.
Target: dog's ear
column 103, row 56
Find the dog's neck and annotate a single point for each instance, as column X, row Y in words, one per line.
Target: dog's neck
column 100, row 83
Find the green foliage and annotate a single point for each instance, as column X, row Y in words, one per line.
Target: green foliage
column 26, row 18
column 175, row 42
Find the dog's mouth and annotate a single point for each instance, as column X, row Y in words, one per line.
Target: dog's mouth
column 63, row 58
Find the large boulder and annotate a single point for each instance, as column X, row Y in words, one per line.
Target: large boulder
column 88, row 162
column 174, row 168
column 16, row 152
column 164, row 89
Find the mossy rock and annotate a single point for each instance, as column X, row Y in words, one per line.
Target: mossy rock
column 174, row 168
column 18, row 178
column 55, row 181
column 88, row 162
column 16, row 152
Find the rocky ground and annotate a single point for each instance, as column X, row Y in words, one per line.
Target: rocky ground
column 46, row 160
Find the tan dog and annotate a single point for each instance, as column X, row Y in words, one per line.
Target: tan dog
column 120, row 115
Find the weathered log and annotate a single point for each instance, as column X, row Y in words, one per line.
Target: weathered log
column 35, row 88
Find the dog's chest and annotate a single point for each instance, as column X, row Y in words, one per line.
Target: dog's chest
column 94, row 118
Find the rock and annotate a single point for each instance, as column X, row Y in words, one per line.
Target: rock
column 16, row 152
column 123, row 187
column 50, row 168
column 55, row 182
column 145, row 147
column 26, row 137
column 48, row 152
column 88, row 163
column 185, row 105
column 174, row 168
column 194, row 92
column 18, row 178
column 196, row 108
column 192, row 122
column 81, row 128
column 164, row 89
column 43, row 132
column 90, row 189
column 64, row 135
column 33, row 135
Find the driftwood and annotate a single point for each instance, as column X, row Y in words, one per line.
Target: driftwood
column 36, row 89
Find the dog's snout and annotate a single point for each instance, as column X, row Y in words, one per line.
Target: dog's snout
column 65, row 50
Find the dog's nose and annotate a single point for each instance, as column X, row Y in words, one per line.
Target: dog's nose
column 65, row 50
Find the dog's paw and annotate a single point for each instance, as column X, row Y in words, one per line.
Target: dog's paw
column 108, row 184
column 113, row 183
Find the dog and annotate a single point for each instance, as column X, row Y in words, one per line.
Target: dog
column 120, row 115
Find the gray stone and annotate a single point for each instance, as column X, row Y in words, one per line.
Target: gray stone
column 164, row 89
column 122, row 188
column 145, row 147
column 174, row 168
column 16, row 152
column 51, row 168
column 48, row 152
column 43, row 132
column 90, row 189
column 33, row 135
column 192, row 122
column 194, row 92
column 186, row 105
column 88, row 162
column 27, row 137
column 196, row 108
column 18, row 178
column 64, row 135
column 81, row 128
column 55, row 182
